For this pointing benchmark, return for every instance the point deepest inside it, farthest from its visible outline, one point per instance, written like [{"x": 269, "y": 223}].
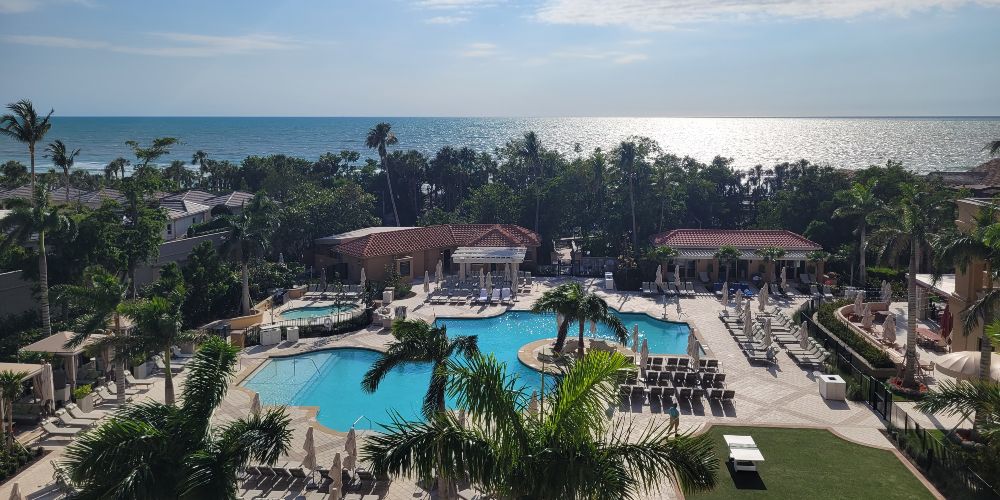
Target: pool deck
[{"x": 781, "y": 395}]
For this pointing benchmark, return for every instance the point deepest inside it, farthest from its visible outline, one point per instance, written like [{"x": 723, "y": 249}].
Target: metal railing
[{"x": 326, "y": 320}]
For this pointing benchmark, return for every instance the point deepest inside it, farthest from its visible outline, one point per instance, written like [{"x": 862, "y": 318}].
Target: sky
[{"x": 503, "y": 57}]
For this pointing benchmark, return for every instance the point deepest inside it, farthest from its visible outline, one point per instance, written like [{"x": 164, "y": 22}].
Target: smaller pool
[{"x": 315, "y": 311}]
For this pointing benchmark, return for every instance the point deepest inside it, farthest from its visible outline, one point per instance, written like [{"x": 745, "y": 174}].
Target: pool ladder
[{"x": 370, "y": 424}]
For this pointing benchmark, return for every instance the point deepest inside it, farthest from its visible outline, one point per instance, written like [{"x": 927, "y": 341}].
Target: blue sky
[{"x": 503, "y": 58}]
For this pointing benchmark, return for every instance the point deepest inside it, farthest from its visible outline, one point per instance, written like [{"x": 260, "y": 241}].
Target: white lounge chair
[
  {"x": 827, "y": 292},
  {"x": 645, "y": 288},
  {"x": 505, "y": 296},
  {"x": 53, "y": 430},
  {"x": 69, "y": 421},
  {"x": 483, "y": 297},
  {"x": 689, "y": 289},
  {"x": 495, "y": 296},
  {"x": 76, "y": 412},
  {"x": 134, "y": 381}
]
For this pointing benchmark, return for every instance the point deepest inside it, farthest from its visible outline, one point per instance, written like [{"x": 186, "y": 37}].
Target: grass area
[{"x": 814, "y": 464}]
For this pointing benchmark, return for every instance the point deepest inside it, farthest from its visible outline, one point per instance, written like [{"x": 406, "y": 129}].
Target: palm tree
[
  {"x": 530, "y": 150},
  {"x": 99, "y": 297},
  {"x": 728, "y": 254},
  {"x": 662, "y": 255},
  {"x": 770, "y": 255},
  {"x": 62, "y": 158},
  {"x": 157, "y": 328},
  {"x": 816, "y": 256},
  {"x": 249, "y": 235},
  {"x": 200, "y": 158},
  {"x": 627, "y": 155},
  {"x": 26, "y": 220},
  {"x": 417, "y": 341},
  {"x": 161, "y": 451},
  {"x": 908, "y": 224},
  {"x": 11, "y": 386},
  {"x": 573, "y": 303},
  {"x": 860, "y": 201},
  {"x": 993, "y": 147},
  {"x": 378, "y": 138},
  {"x": 571, "y": 449},
  {"x": 24, "y": 125},
  {"x": 115, "y": 168},
  {"x": 966, "y": 398}
]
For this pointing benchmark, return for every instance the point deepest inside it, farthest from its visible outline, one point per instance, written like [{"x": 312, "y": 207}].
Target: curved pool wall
[
  {"x": 315, "y": 311},
  {"x": 331, "y": 379}
]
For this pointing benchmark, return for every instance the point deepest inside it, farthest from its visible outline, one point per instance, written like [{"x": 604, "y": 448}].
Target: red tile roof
[
  {"x": 444, "y": 236},
  {"x": 744, "y": 239}
]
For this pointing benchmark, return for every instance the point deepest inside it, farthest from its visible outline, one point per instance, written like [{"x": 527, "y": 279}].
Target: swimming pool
[
  {"x": 331, "y": 379},
  {"x": 315, "y": 311}
]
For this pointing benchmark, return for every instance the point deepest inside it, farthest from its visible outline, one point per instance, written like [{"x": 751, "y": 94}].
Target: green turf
[{"x": 813, "y": 464}]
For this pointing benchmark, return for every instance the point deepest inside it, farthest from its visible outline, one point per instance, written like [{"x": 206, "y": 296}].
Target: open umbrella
[
  {"x": 867, "y": 317},
  {"x": 725, "y": 294},
  {"x": 533, "y": 403},
  {"x": 964, "y": 365},
  {"x": 255, "y": 407},
  {"x": 362, "y": 282},
  {"x": 309, "y": 446},
  {"x": 351, "y": 447},
  {"x": 635, "y": 338},
  {"x": 336, "y": 478},
  {"x": 427, "y": 281},
  {"x": 889, "y": 328}
]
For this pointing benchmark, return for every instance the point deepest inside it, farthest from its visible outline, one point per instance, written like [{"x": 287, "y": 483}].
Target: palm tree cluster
[
  {"x": 574, "y": 304},
  {"x": 23, "y": 124},
  {"x": 162, "y": 451},
  {"x": 569, "y": 449}
]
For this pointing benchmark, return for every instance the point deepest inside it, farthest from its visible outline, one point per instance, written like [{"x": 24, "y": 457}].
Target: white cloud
[
  {"x": 479, "y": 49},
  {"x": 650, "y": 15},
  {"x": 614, "y": 56},
  {"x": 178, "y": 44},
  {"x": 446, "y": 20}
]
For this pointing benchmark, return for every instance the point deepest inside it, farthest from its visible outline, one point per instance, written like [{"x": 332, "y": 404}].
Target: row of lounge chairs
[
  {"x": 266, "y": 481},
  {"x": 686, "y": 289},
  {"x": 71, "y": 420},
  {"x": 682, "y": 363},
  {"x": 332, "y": 291},
  {"x": 498, "y": 296},
  {"x": 684, "y": 385},
  {"x": 826, "y": 292}
]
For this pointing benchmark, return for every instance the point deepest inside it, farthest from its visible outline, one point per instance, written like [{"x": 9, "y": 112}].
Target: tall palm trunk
[
  {"x": 245, "y": 277},
  {"x": 43, "y": 283},
  {"x": 119, "y": 365},
  {"x": 31, "y": 154},
  {"x": 388, "y": 182},
  {"x": 985, "y": 348},
  {"x": 66, "y": 180},
  {"x": 168, "y": 378},
  {"x": 910, "y": 359},
  {"x": 862, "y": 250},
  {"x": 579, "y": 350},
  {"x": 538, "y": 193}
]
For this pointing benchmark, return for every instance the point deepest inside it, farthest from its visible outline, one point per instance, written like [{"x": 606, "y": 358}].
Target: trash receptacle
[{"x": 609, "y": 281}]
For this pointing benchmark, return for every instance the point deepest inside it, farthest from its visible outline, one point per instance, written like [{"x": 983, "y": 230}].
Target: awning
[
  {"x": 489, "y": 255},
  {"x": 945, "y": 284},
  {"x": 30, "y": 369},
  {"x": 55, "y": 344},
  {"x": 706, "y": 253}
]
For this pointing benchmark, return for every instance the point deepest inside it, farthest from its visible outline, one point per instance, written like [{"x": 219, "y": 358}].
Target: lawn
[{"x": 814, "y": 464}]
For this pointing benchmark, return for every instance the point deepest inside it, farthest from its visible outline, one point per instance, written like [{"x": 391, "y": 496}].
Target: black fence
[{"x": 942, "y": 463}]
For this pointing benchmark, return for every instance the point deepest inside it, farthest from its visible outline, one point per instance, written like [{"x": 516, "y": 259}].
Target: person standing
[{"x": 675, "y": 419}]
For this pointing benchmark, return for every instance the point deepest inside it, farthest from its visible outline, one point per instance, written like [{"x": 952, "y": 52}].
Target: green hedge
[
  {"x": 12, "y": 461},
  {"x": 828, "y": 318}
]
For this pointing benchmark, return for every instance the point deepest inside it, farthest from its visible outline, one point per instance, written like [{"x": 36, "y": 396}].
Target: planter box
[
  {"x": 865, "y": 366},
  {"x": 143, "y": 370},
  {"x": 87, "y": 403}
]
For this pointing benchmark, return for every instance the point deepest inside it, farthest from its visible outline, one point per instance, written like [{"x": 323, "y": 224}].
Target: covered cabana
[
  {"x": 43, "y": 392},
  {"x": 509, "y": 257},
  {"x": 69, "y": 358}
]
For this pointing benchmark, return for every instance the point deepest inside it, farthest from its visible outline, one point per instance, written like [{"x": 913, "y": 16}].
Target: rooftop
[
  {"x": 743, "y": 239},
  {"x": 56, "y": 344},
  {"x": 394, "y": 241}
]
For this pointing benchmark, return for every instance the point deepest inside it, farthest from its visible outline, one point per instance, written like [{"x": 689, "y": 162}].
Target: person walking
[{"x": 675, "y": 419}]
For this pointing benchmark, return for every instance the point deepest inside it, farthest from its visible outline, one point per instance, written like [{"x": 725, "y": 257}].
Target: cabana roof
[
  {"x": 55, "y": 344},
  {"x": 31, "y": 369},
  {"x": 489, "y": 255}
]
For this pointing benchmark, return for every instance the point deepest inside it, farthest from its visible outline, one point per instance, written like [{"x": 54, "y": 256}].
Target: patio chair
[
  {"x": 689, "y": 289},
  {"x": 52, "y": 430},
  {"x": 483, "y": 297},
  {"x": 645, "y": 288},
  {"x": 827, "y": 292},
  {"x": 69, "y": 421},
  {"x": 76, "y": 412},
  {"x": 703, "y": 276},
  {"x": 174, "y": 368},
  {"x": 728, "y": 395},
  {"x": 495, "y": 296},
  {"x": 684, "y": 393},
  {"x": 668, "y": 290},
  {"x": 113, "y": 389},
  {"x": 134, "y": 381},
  {"x": 505, "y": 296}
]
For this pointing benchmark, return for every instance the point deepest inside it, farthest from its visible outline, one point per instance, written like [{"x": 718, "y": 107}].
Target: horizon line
[{"x": 994, "y": 117}]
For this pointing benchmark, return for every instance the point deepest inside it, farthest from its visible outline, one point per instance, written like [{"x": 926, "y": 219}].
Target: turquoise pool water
[
  {"x": 315, "y": 311},
  {"x": 331, "y": 379}
]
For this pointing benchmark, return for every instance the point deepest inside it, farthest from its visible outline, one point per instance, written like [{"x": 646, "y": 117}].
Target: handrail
[{"x": 370, "y": 423}]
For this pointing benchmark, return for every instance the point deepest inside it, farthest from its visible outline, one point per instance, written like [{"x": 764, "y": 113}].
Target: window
[
  {"x": 170, "y": 228},
  {"x": 404, "y": 268}
]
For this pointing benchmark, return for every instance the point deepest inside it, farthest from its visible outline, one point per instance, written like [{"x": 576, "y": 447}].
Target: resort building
[
  {"x": 967, "y": 284},
  {"x": 188, "y": 208},
  {"x": 696, "y": 249},
  {"x": 412, "y": 251},
  {"x": 57, "y": 195}
]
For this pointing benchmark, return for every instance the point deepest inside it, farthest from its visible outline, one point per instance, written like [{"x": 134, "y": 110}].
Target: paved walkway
[{"x": 779, "y": 395}]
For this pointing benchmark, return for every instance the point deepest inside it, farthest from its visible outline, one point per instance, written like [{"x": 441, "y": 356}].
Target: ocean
[{"x": 922, "y": 144}]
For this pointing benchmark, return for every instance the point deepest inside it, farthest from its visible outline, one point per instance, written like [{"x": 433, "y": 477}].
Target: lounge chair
[
  {"x": 113, "y": 389},
  {"x": 703, "y": 276},
  {"x": 644, "y": 288},
  {"x": 668, "y": 290},
  {"x": 827, "y": 292},
  {"x": 495, "y": 296},
  {"x": 76, "y": 412},
  {"x": 814, "y": 291},
  {"x": 174, "y": 367},
  {"x": 69, "y": 421},
  {"x": 689, "y": 289},
  {"x": 505, "y": 296},
  {"x": 134, "y": 381},
  {"x": 52, "y": 430},
  {"x": 483, "y": 297}
]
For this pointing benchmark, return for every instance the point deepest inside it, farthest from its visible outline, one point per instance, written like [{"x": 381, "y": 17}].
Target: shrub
[
  {"x": 81, "y": 391},
  {"x": 827, "y": 317},
  {"x": 17, "y": 457}
]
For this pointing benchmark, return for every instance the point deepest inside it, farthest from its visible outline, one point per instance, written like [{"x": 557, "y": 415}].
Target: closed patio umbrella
[
  {"x": 489, "y": 282},
  {"x": 281, "y": 258},
  {"x": 677, "y": 276},
  {"x": 889, "y": 328},
  {"x": 768, "y": 335},
  {"x": 858, "y": 308},
  {"x": 964, "y": 365},
  {"x": 695, "y": 353},
  {"x": 70, "y": 364},
  {"x": 351, "y": 447},
  {"x": 739, "y": 300},
  {"x": 336, "y": 478},
  {"x": 461, "y": 272},
  {"x": 593, "y": 329},
  {"x": 643, "y": 357},
  {"x": 439, "y": 272},
  {"x": 635, "y": 338},
  {"x": 659, "y": 276},
  {"x": 867, "y": 317},
  {"x": 482, "y": 279},
  {"x": 506, "y": 273},
  {"x": 363, "y": 277},
  {"x": 322, "y": 277},
  {"x": 784, "y": 278},
  {"x": 15, "y": 492},
  {"x": 461, "y": 417},
  {"x": 533, "y": 403},
  {"x": 48, "y": 388},
  {"x": 886, "y": 291},
  {"x": 309, "y": 446},
  {"x": 803, "y": 334},
  {"x": 427, "y": 281},
  {"x": 762, "y": 298},
  {"x": 255, "y": 407},
  {"x": 725, "y": 294}
]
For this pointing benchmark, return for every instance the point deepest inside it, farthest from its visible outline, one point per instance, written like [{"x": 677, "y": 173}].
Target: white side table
[{"x": 832, "y": 387}]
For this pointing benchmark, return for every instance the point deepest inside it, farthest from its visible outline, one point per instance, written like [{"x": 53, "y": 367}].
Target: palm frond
[
  {"x": 209, "y": 373},
  {"x": 964, "y": 398},
  {"x": 584, "y": 392}
]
